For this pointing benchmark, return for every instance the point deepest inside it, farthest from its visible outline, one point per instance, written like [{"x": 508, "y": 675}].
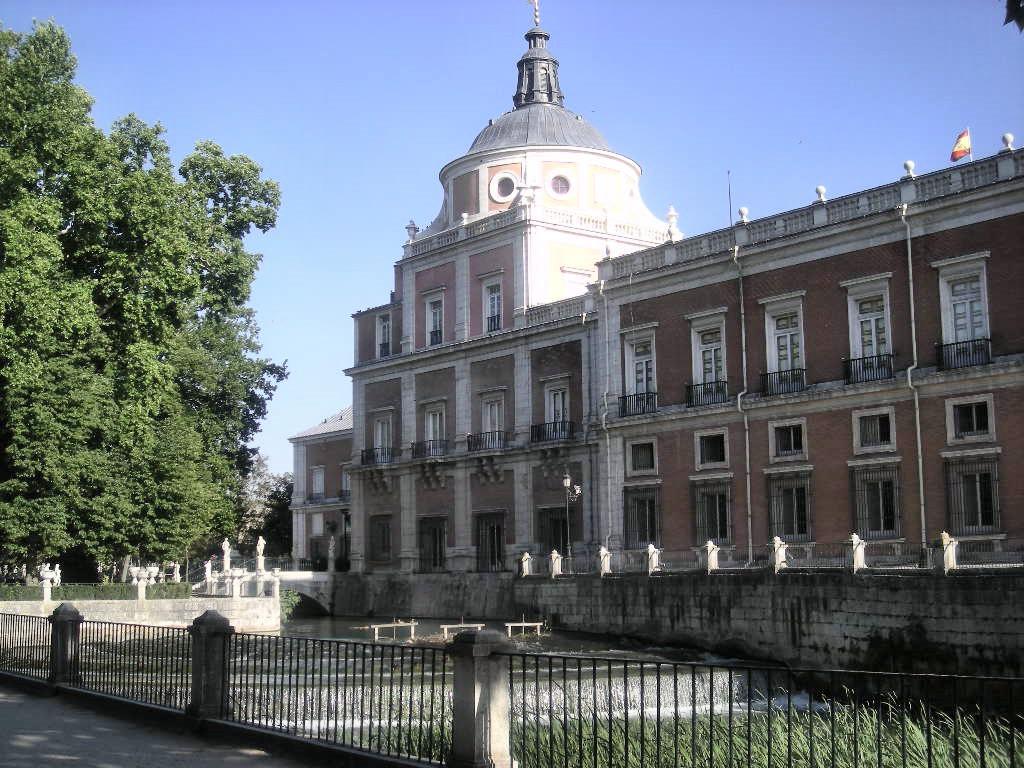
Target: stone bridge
[{"x": 315, "y": 586}]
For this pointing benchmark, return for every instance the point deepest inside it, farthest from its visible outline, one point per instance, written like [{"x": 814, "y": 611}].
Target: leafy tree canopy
[{"x": 131, "y": 380}]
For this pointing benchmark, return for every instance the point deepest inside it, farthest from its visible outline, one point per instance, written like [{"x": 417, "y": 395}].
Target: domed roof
[{"x": 538, "y": 124}]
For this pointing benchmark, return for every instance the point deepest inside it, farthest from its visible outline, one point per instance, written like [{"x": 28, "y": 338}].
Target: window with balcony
[
  {"x": 434, "y": 442},
  {"x": 874, "y": 430},
  {"x": 345, "y": 484},
  {"x": 707, "y": 339},
  {"x": 712, "y": 511},
  {"x": 972, "y": 495},
  {"x": 641, "y": 395},
  {"x": 785, "y": 346},
  {"x": 642, "y": 517},
  {"x": 963, "y": 301},
  {"x": 557, "y": 425},
  {"x": 492, "y": 422},
  {"x": 970, "y": 419},
  {"x": 492, "y": 306},
  {"x": 790, "y": 499},
  {"x": 380, "y": 538},
  {"x": 643, "y": 459},
  {"x": 557, "y": 405},
  {"x": 384, "y": 335},
  {"x": 381, "y": 451},
  {"x": 435, "y": 321},
  {"x": 876, "y": 494},
  {"x": 316, "y": 486},
  {"x": 870, "y": 347},
  {"x": 712, "y": 449},
  {"x": 787, "y": 440}
]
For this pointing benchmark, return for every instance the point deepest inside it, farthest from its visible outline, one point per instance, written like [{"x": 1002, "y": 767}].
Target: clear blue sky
[{"x": 355, "y": 106}]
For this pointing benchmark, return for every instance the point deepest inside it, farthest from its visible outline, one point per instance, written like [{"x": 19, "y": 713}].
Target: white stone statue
[
  {"x": 778, "y": 554},
  {"x": 556, "y": 563},
  {"x": 261, "y": 543},
  {"x": 208, "y": 570},
  {"x": 524, "y": 562},
  {"x": 712, "y": 553},
  {"x": 135, "y": 572},
  {"x": 857, "y": 545},
  {"x": 175, "y": 573},
  {"x": 56, "y": 575},
  {"x": 331, "y": 546},
  {"x": 226, "y": 549},
  {"x": 653, "y": 559},
  {"x": 604, "y": 557}
]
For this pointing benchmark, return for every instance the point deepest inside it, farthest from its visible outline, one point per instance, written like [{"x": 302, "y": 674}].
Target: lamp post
[{"x": 572, "y": 493}]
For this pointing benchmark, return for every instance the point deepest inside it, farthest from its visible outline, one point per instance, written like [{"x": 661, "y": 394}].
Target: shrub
[{"x": 112, "y": 591}]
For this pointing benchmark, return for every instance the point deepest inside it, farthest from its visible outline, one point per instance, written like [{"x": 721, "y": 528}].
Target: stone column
[
  {"x": 66, "y": 624},
  {"x": 408, "y": 553},
  {"x": 210, "y": 633},
  {"x": 481, "y": 712},
  {"x": 461, "y": 554}
]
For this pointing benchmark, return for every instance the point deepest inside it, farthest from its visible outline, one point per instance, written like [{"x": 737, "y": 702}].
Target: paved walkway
[{"x": 55, "y": 731}]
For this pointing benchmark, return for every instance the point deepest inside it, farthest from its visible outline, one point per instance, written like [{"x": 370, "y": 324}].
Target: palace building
[{"x": 853, "y": 366}]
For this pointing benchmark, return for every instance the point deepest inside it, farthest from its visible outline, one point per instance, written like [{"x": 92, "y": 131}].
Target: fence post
[
  {"x": 481, "y": 716},
  {"x": 210, "y": 633},
  {"x": 66, "y": 624}
]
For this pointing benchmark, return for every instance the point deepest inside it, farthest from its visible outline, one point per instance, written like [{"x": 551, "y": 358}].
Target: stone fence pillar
[
  {"x": 66, "y": 626},
  {"x": 712, "y": 555},
  {"x": 777, "y": 552},
  {"x": 949, "y": 546},
  {"x": 210, "y": 633},
  {"x": 480, "y": 709},
  {"x": 857, "y": 547}
]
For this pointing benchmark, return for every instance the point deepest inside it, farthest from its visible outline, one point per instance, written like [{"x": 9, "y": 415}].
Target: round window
[
  {"x": 506, "y": 187},
  {"x": 560, "y": 185},
  {"x": 503, "y": 187}
]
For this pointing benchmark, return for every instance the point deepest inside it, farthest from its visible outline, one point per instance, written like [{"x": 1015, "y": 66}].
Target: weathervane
[{"x": 536, "y": 11}]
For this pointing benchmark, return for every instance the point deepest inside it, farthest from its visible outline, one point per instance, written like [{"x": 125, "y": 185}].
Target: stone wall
[
  {"x": 250, "y": 614},
  {"x": 967, "y": 623}
]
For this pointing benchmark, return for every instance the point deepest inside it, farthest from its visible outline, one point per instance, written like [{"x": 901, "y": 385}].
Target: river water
[{"x": 429, "y": 631}]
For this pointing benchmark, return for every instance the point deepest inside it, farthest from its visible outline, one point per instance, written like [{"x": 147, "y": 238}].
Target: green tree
[{"x": 130, "y": 376}]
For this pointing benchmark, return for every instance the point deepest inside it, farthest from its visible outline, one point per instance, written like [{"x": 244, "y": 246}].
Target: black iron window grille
[
  {"x": 641, "y": 457},
  {"x": 380, "y": 538},
  {"x": 970, "y": 419},
  {"x": 790, "y": 497},
  {"x": 712, "y": 504},
  {"x": 384, "y": 349},
  {"x": 554, "y": 532},
  {"x": 493, "y": 323},
  {"x": 873, "y": 368},
  {"x": 875, "y": 430},
  {"x": 490, "y": 541},
  {"x": 712, "y": 448},
  {"x": 963, "y": 354},
  {"x": 642, "y": 524},
  {"x": 433, "y": 539},
  {"x": 972, "y": 495},
  {"x": 789, "y": 440},
  {"x": 876, "y": 502},
  {"x": 435, "y": 336}
]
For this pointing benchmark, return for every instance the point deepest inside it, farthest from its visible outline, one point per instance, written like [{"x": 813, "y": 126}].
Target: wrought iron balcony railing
[
  {"x": 384, "y": 349},
  {"x": 435, "y": 336},
  {"x": 963, "y": 354},
  {"x": 861, "y": 369},
  {"x": 429, "y": 449},
  {"x": 552, "y": 430},
  {"x": 493, "y": 323},
  {"x": 783, "y": 382},
  {"x": 708, "y": 393},
  {"x": 636, "y": 404},
  {"x": 375, "y": 456},
  {"x": 489, "y": 441}
]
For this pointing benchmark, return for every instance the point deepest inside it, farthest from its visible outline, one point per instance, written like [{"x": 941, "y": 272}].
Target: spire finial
[{"x": 536, "y": 12}]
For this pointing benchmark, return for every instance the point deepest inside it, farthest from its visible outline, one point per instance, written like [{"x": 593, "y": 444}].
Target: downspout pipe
[
  {"x": 604, "y": 414},
  {"x": 910, "y": 377},
  {"x": 739, "y": 402}
]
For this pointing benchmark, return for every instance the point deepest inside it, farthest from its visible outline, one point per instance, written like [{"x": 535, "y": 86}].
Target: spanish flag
[{"x": 962, "y": 146}]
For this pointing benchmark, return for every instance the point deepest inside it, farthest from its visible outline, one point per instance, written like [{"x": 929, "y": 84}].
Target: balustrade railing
[
  {"x": 963, "y": 354},
  {"x": 429, "y": 449},
  {"x": 708, "y": 393},
  {"x": 861, "y": 369},
  {"x": 489, "y": 441},
  {"x": 783, "y": 382},
  {"x": 493, "y": 323},
  {"x": 639, "y": 403},
  {"x": 435, "y": 336},
  {"x": 384, "y": 349},
  {"x": 553, "y": 430}
]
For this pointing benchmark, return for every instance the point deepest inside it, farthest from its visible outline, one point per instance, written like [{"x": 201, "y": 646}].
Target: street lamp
[{"x": 572, "y": 493}]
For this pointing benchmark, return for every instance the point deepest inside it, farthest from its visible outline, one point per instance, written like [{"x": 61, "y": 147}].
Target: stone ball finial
[
  {"x": 820, "y": 192},
  {"x": 743, "y": 212},
  {"x": 909, "y": 166},
  {"x": 1008, "y": 142}
]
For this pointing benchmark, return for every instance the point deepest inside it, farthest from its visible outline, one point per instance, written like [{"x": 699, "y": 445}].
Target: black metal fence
[
  {"x": 602, "y": 713},
  {"x": 389, "y": 699},
  {"x": 874, "y": 368},
  {"x": 553, "y": 430},
  {"x": 374, "y": 456},
  {"x": 136, "y": 662},
  {"x": 489, "y": 441},
  {"x": 25, "y": 645},
  {"x": 963, "y": 354},
  {"x": 639, "y": 403},
  {"x": 428, "y": 449},
  {"x": 783, "y": 382},
  {"x": 708, "y": 393}
]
